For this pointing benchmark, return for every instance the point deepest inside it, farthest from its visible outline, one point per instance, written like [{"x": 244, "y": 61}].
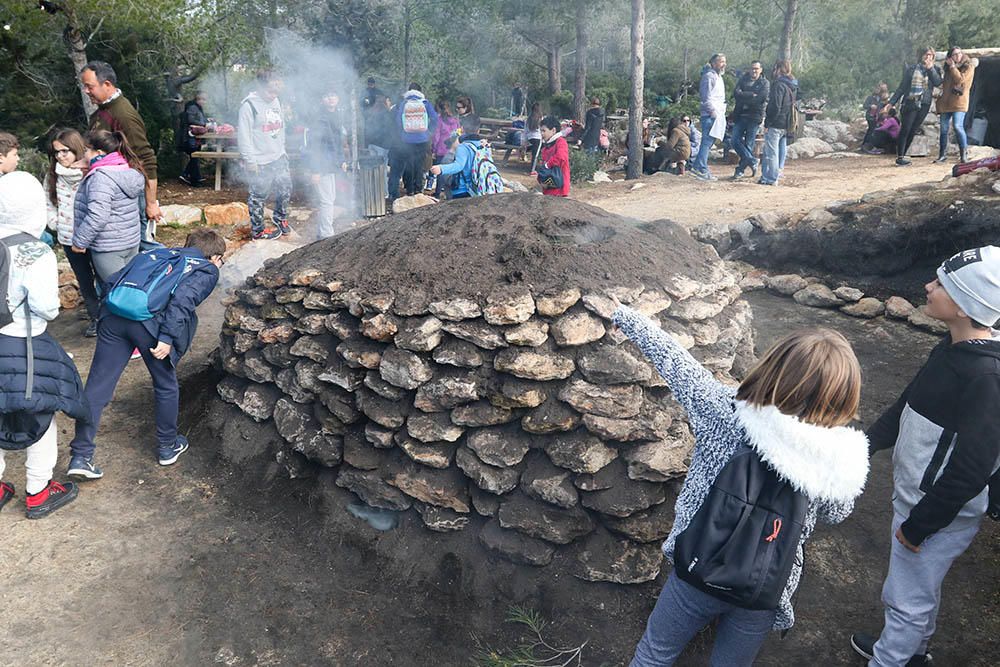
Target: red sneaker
[
  {"x": 6, "y": 493},
  {"x": 49, "y": 499}
]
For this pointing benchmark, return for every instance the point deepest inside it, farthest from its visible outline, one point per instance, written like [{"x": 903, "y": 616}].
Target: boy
[
  {"x": 8, "y": 153},
  {"x": 947, "y": 444},
  {"x": 161, "y": 341}
]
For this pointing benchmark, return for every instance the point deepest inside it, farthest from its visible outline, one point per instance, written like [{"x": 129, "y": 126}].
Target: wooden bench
[{"x": 218, "y": 156}]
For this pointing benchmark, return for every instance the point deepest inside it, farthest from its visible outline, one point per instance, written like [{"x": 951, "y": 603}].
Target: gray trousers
[
  {"x": 912, "y": 593},
  {"x": 326, "y": 197},
  {"x": 108, "y": 263}
]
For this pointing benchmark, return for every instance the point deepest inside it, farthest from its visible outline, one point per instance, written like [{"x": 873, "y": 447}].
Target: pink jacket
[{"x": 442, "y": 131}]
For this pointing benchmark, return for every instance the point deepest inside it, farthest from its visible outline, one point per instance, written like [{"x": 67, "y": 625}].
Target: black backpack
[{"x": 741, "y": 543}]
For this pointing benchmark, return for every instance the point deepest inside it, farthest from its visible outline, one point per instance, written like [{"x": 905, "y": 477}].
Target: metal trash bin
[{"x": 373, "y": 176}]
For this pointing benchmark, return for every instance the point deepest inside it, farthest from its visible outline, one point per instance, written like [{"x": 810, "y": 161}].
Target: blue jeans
[
  {"x": 744, "y": 136},
  {"x": 701, "y": 161},
  {"x": 682, "y": 610},
  {"x": 775, "y": 143},
  {"x": 956, "y": 118}
]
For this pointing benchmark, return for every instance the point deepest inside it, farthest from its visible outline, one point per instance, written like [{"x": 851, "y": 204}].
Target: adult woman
[
  {"x": 593, "y": 124},
  {"x": 914, "y": 94},
  {"x": 67, "y": 165},
  {"x": 446, "y": 125},
  {"x": 555, "y": 156},
  {"x": 467, "y": 117},
  {"x": 676, "y": 148},
  {"x": 777, "y": 121},
  {"x": 953, "y": 104},
  {"x": 534, "y": 134}
]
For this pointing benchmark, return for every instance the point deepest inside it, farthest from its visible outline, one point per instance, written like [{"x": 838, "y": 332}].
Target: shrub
[
  {"x": 561, "y": 104},
  {"x": 582, "y": 165},
  {"x": 33, "y": 161}
]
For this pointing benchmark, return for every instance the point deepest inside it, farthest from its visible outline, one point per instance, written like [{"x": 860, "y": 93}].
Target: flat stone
[
  {"x": 180, "y": 214},
  {"x": 898, "y": 308},
  {"x": 409, "y": 302},
  {"x": 279, "y": 355},
  {"x": 512, "y": 305},
  {"x": 379, "y": 437},
  {"x": 867, "y": 308},
  {"x": 434, "y": 454},
  {"x": 230, "y": 389},
  {"x": 695, "y": 309},
  {"x": 442, "y": 488},
  {"x": 293, "y": 421},
  {"x": 626, "y": 293},
  {"x": 342, "y": 324},
  {"x": 322, "y": 448},
  {"x": 652, "y": 525},
  {"x": 374, "y": 381},
  {"x": 304, "y": 276},
  {"x": 337, "y": 371},
  {"x": 377, "y": 303},
  {"x": 419, "y": 334},
  {"x": 920, "y": 319},
  {"x": 579, "y": 451},
  {"x": 515, "y": 393},
  {"x": 326, "y": 285},
  {"x": 543, "y": 481},
  {"x": 501, "y": 447},
  {"x": 328, "y": 422},
  {"x": 658, "y": 461},
  {"x": 625, "y": 496},
  {"x": 550, "y": 417},
  {"x": 484, "y": 502},
  {"x": 256, "y": 368},
  {"x": 243, "y": 341},
  {"x": 786, "y": 284},
  {"x": 599, "y": 304},
  {"x": 404, "y": 369},
  {"x": 577, "y": 329},
  {"x": 602, "y": 557},
  {"x": 455, "y": 309},
  {"x": 312, "y": 324},
  {"x": 652, "y": 423},
  {"x": 441, "y": 519},
  {"x": 280, "y": 332},
  {"x": 617, "y": 401},
  {"x": 360, "y": 453},
  {"x": 530, "y": 334},
  {"x": 557, "y": 303},
  {"x": 316, "y": 348},
  {"x": 817, "y": 295},
  {"x": 476, "y": 332},
  {"x": 612, "y": 365},
  {"x": 290, "y": 294},
  {"x": 382, "y": 411},
  {"x": 372, "y": 489},
  {"x": 258, "y": 401},
  {"x": 340, "y": 403},
  {"x": 446, "y": 392},
  {"x": 433, "y": 427},
  {"x": 514, "y": 546},
  {"x": 255, "y": 296},
  {"x": 651, "y": 302},
  {"x": 534, "y": 365},
  {"x": 543, "y": 520},
  {"x": 454, "y": 352},
  {"x": 481, "y": 413},
  {"x": 307, "y": 373},
  {"x": 360, "y": 353},
  {"x": 379, "y": 326},
  {"x": 288, "y": 382},
  {"x": 316, "y": 300},
  {"x": 849, "y": 294},
  {"x": 602, "y": 479},
  {"x": 488, "y": 478},
  {"x": 273, "y": 311},
  {"x": 705, "y": 332}
]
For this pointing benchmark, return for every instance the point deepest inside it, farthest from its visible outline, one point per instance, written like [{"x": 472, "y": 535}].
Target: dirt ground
[{"x": 201, "y": 564}]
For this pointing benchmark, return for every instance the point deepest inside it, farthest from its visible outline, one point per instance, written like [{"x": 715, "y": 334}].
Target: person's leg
[
  {"x": 872, "y": 124},
  {"x": 701, "y": 161},
  {"x": 282, "y": 186},
  {"x": 166, "y": 394},
  {"x": 912, "y": 593},
  {"x": 740, "y": 129},
  {"x": 963, "y": 140},
  {"x": 326, "y": 194},
  {"x": 111, "y": 356},
  {"x": 739, "y": 636},
  {"x": 106, "y": 264},
  {"x": 397, "y": 165},
  {"x": 782, "y": 152},
  {"x": 945, "y": 118},
  {"x": 40, "y": 460},
  {"x": 83, "y": 269},
  {"x": 680, "y": 612},
  {"x": 533, "y": 146},
  {"x": 769, "y": 163},
  {"x": 258, "y": 187},
  {"x": 907, "y": 114}
]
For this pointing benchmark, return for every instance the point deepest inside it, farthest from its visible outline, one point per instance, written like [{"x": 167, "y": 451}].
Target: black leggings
[
  {"x": 911, "y": 117},
  {"x": 533, "y": 145}
]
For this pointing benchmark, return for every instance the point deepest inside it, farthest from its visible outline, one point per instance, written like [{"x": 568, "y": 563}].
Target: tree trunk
[
  {"x": 634, "y": 169},
  {"x": 406, "y": 45},
  {"x": 785, "y": 48},
  {"x": 77, "y": 50},
  {"x": 554, "y": 57},
  {"x": 580, "y": 78}
]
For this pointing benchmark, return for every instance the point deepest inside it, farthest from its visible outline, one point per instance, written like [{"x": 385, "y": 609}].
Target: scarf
[{"x": 918, "y": 84}]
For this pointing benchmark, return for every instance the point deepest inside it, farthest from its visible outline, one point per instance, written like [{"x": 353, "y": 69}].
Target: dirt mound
[{"x": 468, "y": 247}]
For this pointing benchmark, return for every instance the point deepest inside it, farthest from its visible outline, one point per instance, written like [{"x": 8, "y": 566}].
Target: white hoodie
[{"x": 33, "y": 273}]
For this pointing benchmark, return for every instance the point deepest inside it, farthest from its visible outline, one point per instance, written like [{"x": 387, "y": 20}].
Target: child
[
  {"x": 885, "y": 135},
  {"x": 8, "y": 153},
  {"x": 790, "y": 410},
  {"x": 37, "y": 379},
  {"x": 555, "y": 155},
  {"x": 947, "y": 445},
  {"x": 162, "y": 341},
  {"x": 106, "y": 209}
]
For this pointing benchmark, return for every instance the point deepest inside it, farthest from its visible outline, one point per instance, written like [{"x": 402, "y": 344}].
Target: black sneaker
[
  {"x": 6, "y": 493},
  {"x": 91, "y": 331},
  {"x": 184, "y": 179},
  {"x": 49, "y": 499},
  {"x": 903, "y": 162},
  {"x": 285, "y": 228},
  {"x": 266, "y": 234},
  {"x": 864, "y": 645}
]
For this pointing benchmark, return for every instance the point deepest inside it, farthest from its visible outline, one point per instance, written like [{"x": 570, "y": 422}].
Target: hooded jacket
[
  {"x": 432, "y": 119},
  {"x": 780, "y": 102},
  {"x": 555, "y": 155},
  {"x": 443, "y": 130},
  {"x": 260, "y": 133},
  {"x": 946, "y": 437},
  {"x": 712, "y": 90},
  {"x": 676, "y": 148},
  {"x": 827, "y": 465},
  {"x": 461, "y": 168},
  {"x": 106, "y": 210},
  {"x": 751, "y": 98},
  {"x": 60, "y": 213},
  {"x": 956, "y": 86},
  {"x": 324, "y": 144}
]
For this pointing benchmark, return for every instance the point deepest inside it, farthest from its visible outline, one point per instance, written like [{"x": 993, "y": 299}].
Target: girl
[
  {"x": 67, "y": 165},
  {"x": 106, "y": 212},
  {"x": 555, "y": 155},
  {"x": 778, "y": 122},
  {"x": 534, "y": 135},
  {"x": 447, "y": 124},
  {"x": 467, "y": 116},
  {"x": 959, "y": 70},
  {"x": 790, "y": 410},
  {"x": 885, "y": 135}
]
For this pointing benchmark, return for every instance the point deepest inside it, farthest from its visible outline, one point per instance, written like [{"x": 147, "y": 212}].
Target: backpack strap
[{"x": 10, "y": 242}]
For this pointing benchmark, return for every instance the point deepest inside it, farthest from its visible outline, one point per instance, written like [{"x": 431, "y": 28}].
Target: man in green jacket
[{"x": 116, "y": 113}]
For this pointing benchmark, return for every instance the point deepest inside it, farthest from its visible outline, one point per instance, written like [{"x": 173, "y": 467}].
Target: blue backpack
[{"x": 144, "y": 287}]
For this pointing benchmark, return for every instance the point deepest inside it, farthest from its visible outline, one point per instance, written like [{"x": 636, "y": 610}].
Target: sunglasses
[{"x": 687, "y": 120}]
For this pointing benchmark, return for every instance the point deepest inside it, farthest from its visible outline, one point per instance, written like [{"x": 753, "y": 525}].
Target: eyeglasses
[{"x": 687, "y": 120}]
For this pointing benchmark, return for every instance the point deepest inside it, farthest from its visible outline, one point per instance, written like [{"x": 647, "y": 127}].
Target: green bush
[
  {"x": 561, "y": 104},
  {"x": 33, "y": 161},
  {"x": 582, "y": 165}
]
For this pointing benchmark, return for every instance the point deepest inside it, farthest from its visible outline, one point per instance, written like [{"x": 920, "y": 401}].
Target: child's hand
[
  {"x": 905, "y": 542},
  {"x": 161, "y": 351}
]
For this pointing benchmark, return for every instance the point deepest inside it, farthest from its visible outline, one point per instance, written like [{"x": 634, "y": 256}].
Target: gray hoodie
[{"x": 261, "y": 130}]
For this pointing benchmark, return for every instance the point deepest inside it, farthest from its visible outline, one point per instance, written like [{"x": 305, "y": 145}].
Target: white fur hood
[{"x": 823, "y": 463}]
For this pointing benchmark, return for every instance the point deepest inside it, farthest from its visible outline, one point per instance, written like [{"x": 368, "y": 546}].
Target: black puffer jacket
[
  {"x": 56, "y": 386},
  {"x": 751, "y": 98},
  {"x": 779, "y": 105}
]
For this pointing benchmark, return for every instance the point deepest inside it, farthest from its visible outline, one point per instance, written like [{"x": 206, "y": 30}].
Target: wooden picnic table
[{"x": 217, "y": 145}]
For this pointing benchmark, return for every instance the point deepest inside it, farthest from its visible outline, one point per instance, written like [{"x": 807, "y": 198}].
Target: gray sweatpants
[
  {"x": 108, "y": 263},
  {"x": 912, "y": 593},
  {"x": 326, "y": 198}
]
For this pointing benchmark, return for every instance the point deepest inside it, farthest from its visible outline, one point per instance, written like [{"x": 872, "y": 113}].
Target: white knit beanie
[
  {"x": 972, "y": 280},
  {"x": 22, "y": 204}
]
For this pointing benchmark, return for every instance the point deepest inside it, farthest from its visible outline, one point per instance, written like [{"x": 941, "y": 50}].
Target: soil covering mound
[{"x": 457, "y": 361}]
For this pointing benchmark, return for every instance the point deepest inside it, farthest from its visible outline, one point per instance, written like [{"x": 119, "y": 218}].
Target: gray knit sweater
[{"x": 828, "y": 465}]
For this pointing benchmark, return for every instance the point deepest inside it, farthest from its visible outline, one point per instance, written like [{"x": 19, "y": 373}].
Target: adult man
[
  {"x": 116, "y": 114},
  {"x": 713, "y": 113},
  {"x": 372, "y": 93},
  {"x": 415, "y": 121},
  {"x": 193, "y": 124},
  {"x": 261, "y": 140},
  {"x": 751, "y": 95}
]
